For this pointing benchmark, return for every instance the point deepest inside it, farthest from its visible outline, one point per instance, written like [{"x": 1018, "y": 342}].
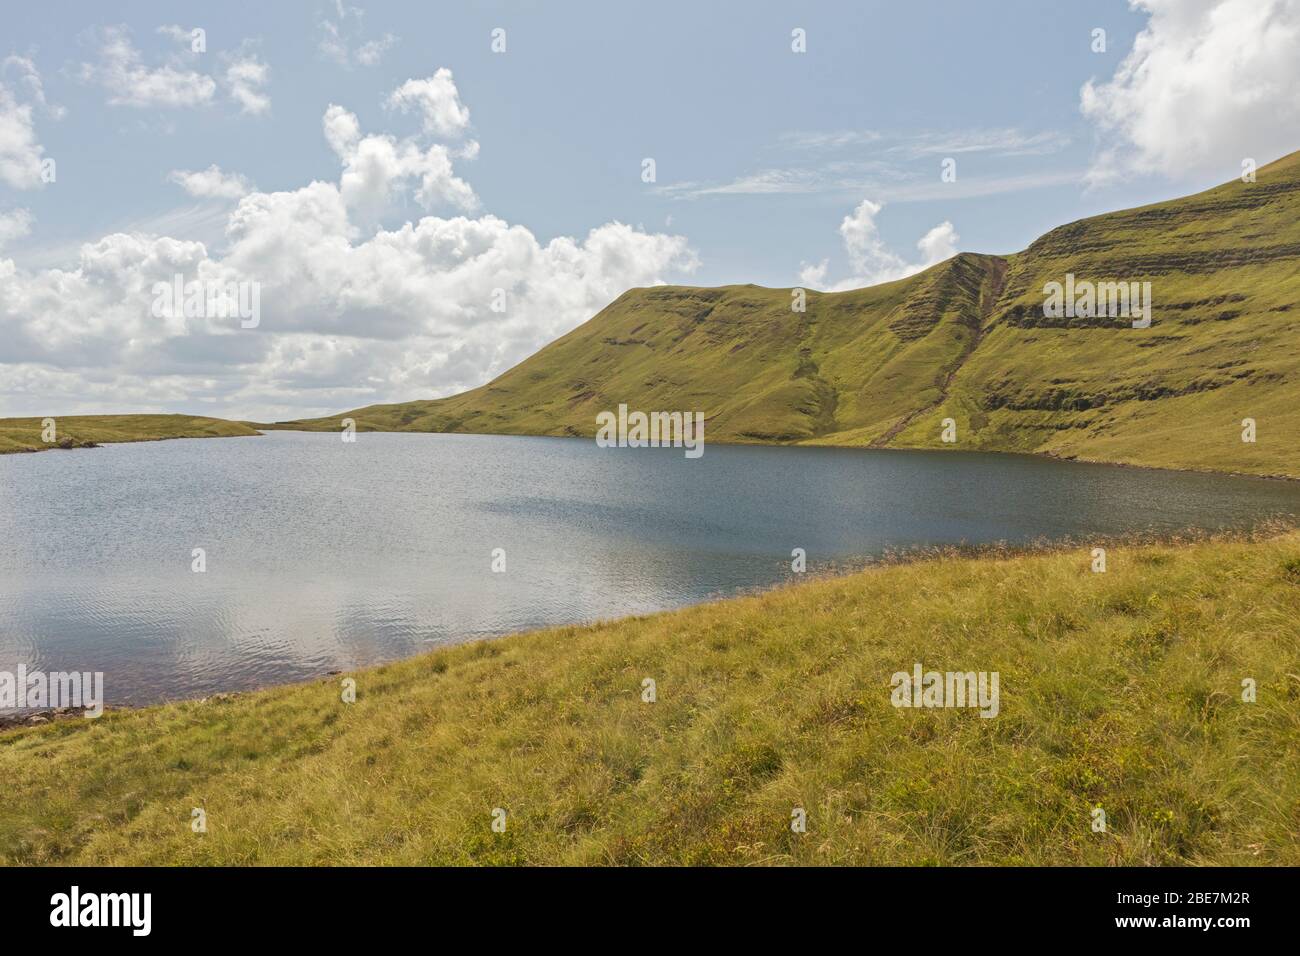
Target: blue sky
[{"x": 771, "y": 167}]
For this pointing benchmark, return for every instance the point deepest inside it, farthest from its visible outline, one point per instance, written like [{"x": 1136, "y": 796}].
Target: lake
[{"x": 324, "y": 555}]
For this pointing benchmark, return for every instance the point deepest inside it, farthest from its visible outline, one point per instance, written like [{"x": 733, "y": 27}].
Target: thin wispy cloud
[
  {"x": 995, "y": 142},
  {"x": 342, "y": 39},
  {"x": 884, "y": 164},
  {"x": 971, "y": 187},
  {"x": 999, "y": 142}
]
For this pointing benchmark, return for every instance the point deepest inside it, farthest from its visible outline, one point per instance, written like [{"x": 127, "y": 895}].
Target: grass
[
  {"x": 965, "y": 340},
  {"x": 82, "y": 431},
  {"x": 1120, "y": 690}
]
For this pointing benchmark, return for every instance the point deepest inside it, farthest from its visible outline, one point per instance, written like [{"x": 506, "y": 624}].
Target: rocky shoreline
[{"x": 35, "y": 718}]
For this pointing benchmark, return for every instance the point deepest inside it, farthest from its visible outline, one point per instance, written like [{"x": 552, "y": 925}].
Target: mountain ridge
[{"x": 965, "y": 340}]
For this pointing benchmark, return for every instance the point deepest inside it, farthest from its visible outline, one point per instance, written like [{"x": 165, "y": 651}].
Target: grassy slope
[
  {"x": 873, "y": 366},
  {"x": 852, "y": 364},
  {"x": 1224, "y": 344},
  {"x": 24, "y": 434},
  {"x": 1119, "y": 689}
]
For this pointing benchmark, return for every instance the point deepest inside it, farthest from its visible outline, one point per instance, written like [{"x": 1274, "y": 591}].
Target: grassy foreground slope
[
  {"x": 966, "y": 339},
  {"x": 1121, "y": 690},
  {"x": 79, "y": 431}
]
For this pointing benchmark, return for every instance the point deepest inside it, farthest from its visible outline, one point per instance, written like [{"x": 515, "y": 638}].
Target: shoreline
[
  {"x": 764, "y": 702},
  {"x": 259, "y": 429},
  {"x": 842, "y": 571}
]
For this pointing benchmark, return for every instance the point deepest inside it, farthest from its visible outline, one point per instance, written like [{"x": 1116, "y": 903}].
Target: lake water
[{"x": 323, "y": 555}]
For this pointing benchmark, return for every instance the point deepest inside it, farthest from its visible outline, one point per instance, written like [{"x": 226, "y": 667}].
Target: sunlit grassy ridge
[
  {"x": 966, "y": 339},
  {"x": 78, "y": 431},
  {"x": 846, "y": 369},
  {"x": 1224, "y": 344},
  {"x": 1120, "y": 690}
]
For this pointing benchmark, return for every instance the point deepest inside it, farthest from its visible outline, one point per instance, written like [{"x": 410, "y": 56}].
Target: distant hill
[
  {"x": 967, "y": 340},
  {"x": 86, "y": 431}
]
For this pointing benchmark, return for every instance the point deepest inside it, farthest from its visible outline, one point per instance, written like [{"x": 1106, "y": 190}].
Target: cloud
[
  {"x": 372, "y": 51},
  {"x": 352, "y": 312},
  {"x": 14, "y": 224},
  {"x": 871, "y": 260},
  {"x": 829, "y": 139},
  {"x": 997, "y": 142},
  {"x": 437, "y": 100},
  {"x": 29, "y": 79},
  {"x": 21, "y": 154},
  {"x": 210, "y": 183},
  {"x": 129, "y": 82},
  {"x": 339, "y": 36},
  {"x": 1000, "y": 141},
  {"x": 177, "y": 83},
  {"x": 763, "y": 183},
  {"x": 377, "y": 167},
  {"x": 892, "y": 164},
  {"x": 183, "y": 36},
  {"x": 245, "y": 77},
  {"x": 814, "y": 276},
  {"x": 938, "y": 244},
  {"x": 1207, "y": 84}
]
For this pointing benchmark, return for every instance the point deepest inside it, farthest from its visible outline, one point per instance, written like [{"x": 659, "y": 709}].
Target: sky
[{"x": 424, "y": 194}]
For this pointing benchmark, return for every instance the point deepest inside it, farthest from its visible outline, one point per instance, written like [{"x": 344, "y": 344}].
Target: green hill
[
  {"x": 85, "y": 431},
  {"x": 966, "y": 339}
]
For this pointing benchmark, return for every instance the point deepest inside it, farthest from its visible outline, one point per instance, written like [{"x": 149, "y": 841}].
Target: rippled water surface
[{"x": 323, "y": 555}]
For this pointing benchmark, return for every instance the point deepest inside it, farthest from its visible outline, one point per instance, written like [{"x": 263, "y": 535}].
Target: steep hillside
[
  {"x": 967, "y": 339},
  {"x": 1224, "y": 341},
  {"x": 850, "y": 366}
]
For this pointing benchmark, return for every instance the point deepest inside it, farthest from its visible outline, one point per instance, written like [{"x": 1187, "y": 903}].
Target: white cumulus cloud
[
  {"x": 246, "y": 77},
  {"x": 870, "y": 258},
  {"x": 437, "y": 100},
  {"x": 1207, "y": 84},
  {"x": 353, "y": 310},
  {"x": 210, "y": 183},
  {"x": 21, "y": 153},
  {"x": 377, "y": 167},
  {"x": 14, "y": 224}
]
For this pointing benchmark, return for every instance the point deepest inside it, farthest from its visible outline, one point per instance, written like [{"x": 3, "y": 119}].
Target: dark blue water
[{"x": 323, "y": 555}]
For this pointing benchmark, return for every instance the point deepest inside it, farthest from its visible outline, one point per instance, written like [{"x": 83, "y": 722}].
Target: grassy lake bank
[{"x": 1120, "y": 690}]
